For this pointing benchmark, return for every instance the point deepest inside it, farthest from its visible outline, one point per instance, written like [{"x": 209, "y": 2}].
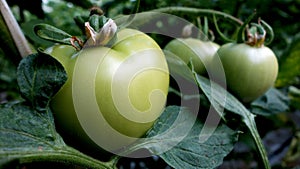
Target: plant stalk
[
  {"x": 15, "y": 30},
  {"x": 197, "y": 11},
  {"x": 250, "y": 123},
  {"x": 68, "y": 157}
]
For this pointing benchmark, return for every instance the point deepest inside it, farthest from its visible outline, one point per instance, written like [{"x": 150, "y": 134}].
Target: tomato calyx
[
  {"x": 73, "y": 41},
  {"x": 256, "y": 35},
  {"x": 97, "y": 30},
  {"x": 105, "y": 35}
]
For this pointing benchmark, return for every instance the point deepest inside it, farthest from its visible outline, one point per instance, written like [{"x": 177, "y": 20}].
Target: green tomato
[
  {"x": 200, "y": 52},
  {"x": 249, "y": 71},
  {"x": 113, "y": 95},
  {"x": 63, "y": 53}
]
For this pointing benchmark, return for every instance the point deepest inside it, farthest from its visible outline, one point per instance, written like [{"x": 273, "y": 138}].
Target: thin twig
[
  {"x": 198, "y": 11},
  {"x": 15, "y": 30}
]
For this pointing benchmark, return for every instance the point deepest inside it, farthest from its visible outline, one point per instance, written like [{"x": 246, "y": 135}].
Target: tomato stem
[
  {"x": 15, "y": 30},
  {"x": 131, "y": 16},
  {"x": 197, "y": 11},
  {"x": 269, "y": 30},
  {"x": 219, "y": 31},
  {"x": 205, "y": 12},
  {"x": 256, "y": 35},
  {"x": 67, "y": 156},
  {"x": 240, "y": 36},
  {"x": 205, "y": 27},
  {"x": 250, "y": 123}
]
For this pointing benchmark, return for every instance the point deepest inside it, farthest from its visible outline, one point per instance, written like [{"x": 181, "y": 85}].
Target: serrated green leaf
[
  {"x": 235, "y": 106},
  {"x": 272, "y": 102},
  {"x": 177, "y": 138},
  {"x": 191, "y": 152},
  {"x": 220, "y": 99},
  {"x": 39, "y": 78},
  {"x": 24, "y": 132},
  {"x": 28, "y": 136},
  {"x": 22, "y": 128},
  {"x": 289, "y": 67},
  {"x": 27, "y": 129}
]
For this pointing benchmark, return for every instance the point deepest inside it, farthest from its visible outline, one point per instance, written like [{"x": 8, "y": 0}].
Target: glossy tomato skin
[
  {"x": 63, "y": 53},
  {"x": 118, "y": 92},
  {"x": 201, "y": 52},
  {"x": 250, "y": 71}
]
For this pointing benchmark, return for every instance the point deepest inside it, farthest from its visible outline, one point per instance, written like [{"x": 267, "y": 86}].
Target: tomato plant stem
[
  {"x": 250, "y": 123},
  {"x": 219, "y": 31},
  {"x": 14, "y": 29},
  {"x": 68, "y": 157},
  {"x": 197, "y": 11},
  {"x": 132, "y": 16},
  {"x": 240, "y": 36}
]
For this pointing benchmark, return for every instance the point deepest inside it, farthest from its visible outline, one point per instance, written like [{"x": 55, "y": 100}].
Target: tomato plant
[
  {"x": 201, "y": 52},
  {"x": 140, "y": 97},
  {"x": 117, "y": 87}
]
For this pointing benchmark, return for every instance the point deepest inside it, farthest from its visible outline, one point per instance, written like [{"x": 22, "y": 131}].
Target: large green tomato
[
  {"x": 112, "y": 95},
  {"x": 200, "y": 52},
  {"x": 250, "y": 71}
]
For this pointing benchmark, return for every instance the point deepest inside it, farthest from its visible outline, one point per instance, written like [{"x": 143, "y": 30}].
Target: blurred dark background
[{"x": 280, "y": 132}]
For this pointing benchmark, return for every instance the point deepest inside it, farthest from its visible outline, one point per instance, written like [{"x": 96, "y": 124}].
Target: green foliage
[
  {"x": 272, "y": 102},
  {"x": 219, "y": 144},
  {"x": 29, "y": 136},
  {"x": 280, "y": 14},
  {"x": 234, "y": 106},
  {"x": 28, "y": 133},
  {"x": 61, "y": 15},
  {"x": 289, "y": 69},
  {"x": 40, "y": 77},
  {"x": 27, "y": 129},
  {"x": 7, "y": 72},
  {"x": 8, "y": 82}
]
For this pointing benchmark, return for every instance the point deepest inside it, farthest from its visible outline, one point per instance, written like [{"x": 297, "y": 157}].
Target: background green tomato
[
  {"x": 113, "y": 95},
  {"x": 250, "y": 71},
  {"x": 63, "y": 53},
  {"x": 200, "y": 52}
]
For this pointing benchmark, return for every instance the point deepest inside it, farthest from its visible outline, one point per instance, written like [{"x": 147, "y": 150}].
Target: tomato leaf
[
  {"x": 272, "y": 102},
  {"x": 27, "y": 128},
  {"x": 177, "y": 138},
  {"x": 39, "y": 77},
  {"x": 24, "y": 130},
  {"x": 28, "y": 136},
  {"x": 191, "y": 152},
  {"x": 51, "y": 33},
  {"x": 233, "y": 105},
  {"x": 220, "y": 99}
]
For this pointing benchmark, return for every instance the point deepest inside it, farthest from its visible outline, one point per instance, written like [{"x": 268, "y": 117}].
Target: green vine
[
  {"x": 68, "y": 156},
  {"x": 197, "y": 12},
  {"x": 14, "y": 30},
  {"x": 240, "y": 36},
  {"x": 219, "y": 31}
]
